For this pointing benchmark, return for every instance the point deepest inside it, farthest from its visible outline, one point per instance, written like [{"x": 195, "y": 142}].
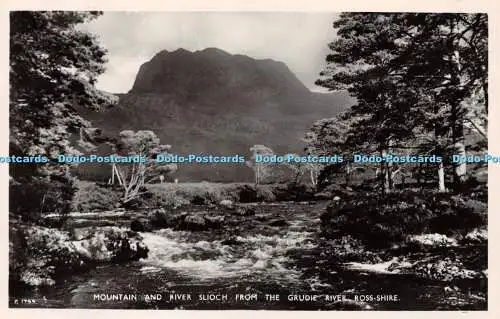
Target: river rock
[
  {"x": 140, "y": 225},
  {"x": 193, "y": 222},
  {"x": 261, "y": 217},
  {"x": 159, "y": 218},
  {"x": 214, "y": 221},
  {"x": 431, "y": 240},
  {"x": 226, "y": 203},
  {"x": 111, "y": 244},
  {"x": 476, "y": 236},
  {"x": 232, "y": 241},
  {"x": 245, "y": 211},
  {"x": 48, "y": 252},
  {"x": 446, "y": 269},
  {"x": 278, "y": 222}
]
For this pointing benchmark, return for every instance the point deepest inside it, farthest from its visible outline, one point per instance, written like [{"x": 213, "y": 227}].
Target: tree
[
  {"x": 448, "y": 55},
  {"x": 328, "y": 137},
  {"x": 261, "y": 170},
  {"x": 361, "y": 61},
  {"x": 145, "y": 145},
  {"x": 415, "y": 69},
  {"x": 53, "y": 69},
  {"x": 297, "y": 168}
]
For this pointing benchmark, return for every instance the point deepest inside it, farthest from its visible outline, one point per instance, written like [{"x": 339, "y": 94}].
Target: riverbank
[
  {"x": 91, "y": 196},
  {"x": 277, "y": 249},
  {"x": 436, "y": 242},
  {"x": 39, "y": 256},
  {"x": 441, "y": 238}
]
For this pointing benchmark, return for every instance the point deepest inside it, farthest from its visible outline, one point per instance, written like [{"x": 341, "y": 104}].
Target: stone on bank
[{"x": 40, "y": 254}]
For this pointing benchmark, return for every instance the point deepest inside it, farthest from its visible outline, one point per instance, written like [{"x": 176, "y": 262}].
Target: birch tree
[
  {"x": 133, "y": 176},
  {"x": 261, "y": 170}
]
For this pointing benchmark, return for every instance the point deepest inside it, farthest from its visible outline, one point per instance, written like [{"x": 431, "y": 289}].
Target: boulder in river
[
  {"x": 278, "y": 222},
  {"x": 48, "y": 252},
  {"x": 232, "y": 241},
  {"x": 245, "y": 211},
  {"x": 141, "y": 225},
  {"x": 193, "y": 221},
  {"x": 431, "y": 240},
  {"x": 159, "y": 218},
  {"x": 214, "y": 221},
  {"x": 199, "y": 221},
  {"x": 476, "y": 236},
  {"x": 226, "y": 203}
]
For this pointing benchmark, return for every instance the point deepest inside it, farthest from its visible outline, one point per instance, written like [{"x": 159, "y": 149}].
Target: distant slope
[{"x": 213, "y": 102}]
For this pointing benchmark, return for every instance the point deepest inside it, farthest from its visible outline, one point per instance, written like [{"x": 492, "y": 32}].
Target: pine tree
[{"x": 53, "y": 69}]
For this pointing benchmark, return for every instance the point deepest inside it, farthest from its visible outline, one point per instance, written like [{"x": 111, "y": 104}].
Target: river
[{"x": 276, "y": 252}]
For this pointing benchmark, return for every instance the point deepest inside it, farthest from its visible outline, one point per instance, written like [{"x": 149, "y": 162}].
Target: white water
[{"x": 256, "y": 255}]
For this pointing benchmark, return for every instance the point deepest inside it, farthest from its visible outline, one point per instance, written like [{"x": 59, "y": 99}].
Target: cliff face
[
  {"x": 213, "y": 102},
  {"x": 212, "y": 71}
]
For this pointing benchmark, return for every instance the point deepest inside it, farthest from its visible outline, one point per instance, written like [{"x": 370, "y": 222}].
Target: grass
[
  {"x": 90, "y": 196},
  {"x": 190, "y": 191},
  {"x": 99, "y": 197}
]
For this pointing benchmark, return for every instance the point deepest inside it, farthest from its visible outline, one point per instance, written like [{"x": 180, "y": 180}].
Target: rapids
[{"x": 185, "y": 269}]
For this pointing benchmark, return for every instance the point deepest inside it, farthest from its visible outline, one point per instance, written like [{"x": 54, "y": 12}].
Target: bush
[
  {"x": 380, "y": 220},
  {"x": 264, "y": 194},
  {"x": 33, "y": 196},
  {"x": 91, "y": 197},
  {"x": 247, "y": 194}
]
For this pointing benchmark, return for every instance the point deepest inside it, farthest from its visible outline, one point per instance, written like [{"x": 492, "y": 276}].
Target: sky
[{"x": 298, "y": 39}]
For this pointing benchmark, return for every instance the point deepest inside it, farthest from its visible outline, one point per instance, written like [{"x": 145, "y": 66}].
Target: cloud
[{"x": 131, "y": 38}]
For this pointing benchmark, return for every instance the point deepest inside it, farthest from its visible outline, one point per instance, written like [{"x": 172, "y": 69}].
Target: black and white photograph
[{"x": 240, "y": 160}]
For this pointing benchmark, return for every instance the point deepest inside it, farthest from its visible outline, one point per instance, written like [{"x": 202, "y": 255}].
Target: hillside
[{"x": 213, "y": 102}]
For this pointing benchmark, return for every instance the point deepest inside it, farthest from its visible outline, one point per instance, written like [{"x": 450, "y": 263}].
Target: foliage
[
  {"x": 329, "y": 137},
  {"x": 426, "y": 70},
  {"x": 145, "y": 145},
  {"x": 48, "y": 252},
  {"x": 91, "y": 197},
  {"x": 32, "y": 197},
  {"x": 386, "y": 219},
  {"x": 261, "y": 170},
  {"x": 53, "y": 69}
]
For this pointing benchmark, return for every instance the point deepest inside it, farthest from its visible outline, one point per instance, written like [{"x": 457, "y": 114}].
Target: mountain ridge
[{"x": 213, "y": 102}]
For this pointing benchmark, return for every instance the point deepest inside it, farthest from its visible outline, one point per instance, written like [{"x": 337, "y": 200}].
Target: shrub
[
  {"x": 247, "y": 194},
  {"x": 91, "y": 196},
  {"x": 33, "y": 196},
  {"x": 380, "y": 220},
  {"x": 264, "y": 194}
]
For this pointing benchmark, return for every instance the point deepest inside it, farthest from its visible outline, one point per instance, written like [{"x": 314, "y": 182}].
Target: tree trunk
[
  {"x": 384, "y": 169},
  {"x": 419, "y": 180},
  {"x": 257, "y": 174},
  {"x": 347, "y": 173},
  {"x": 457, "y": 124},
  {"x": 460, "y": 168},
  {"x": 313, "y": 180},
  {"x": 441, "y": 187}
]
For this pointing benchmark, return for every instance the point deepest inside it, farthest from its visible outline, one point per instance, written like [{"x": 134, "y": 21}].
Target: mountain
[{"x": 213, "y": 102}]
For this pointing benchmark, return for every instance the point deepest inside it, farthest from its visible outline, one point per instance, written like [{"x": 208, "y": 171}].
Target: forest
[{"x": 420, "y": 85}]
